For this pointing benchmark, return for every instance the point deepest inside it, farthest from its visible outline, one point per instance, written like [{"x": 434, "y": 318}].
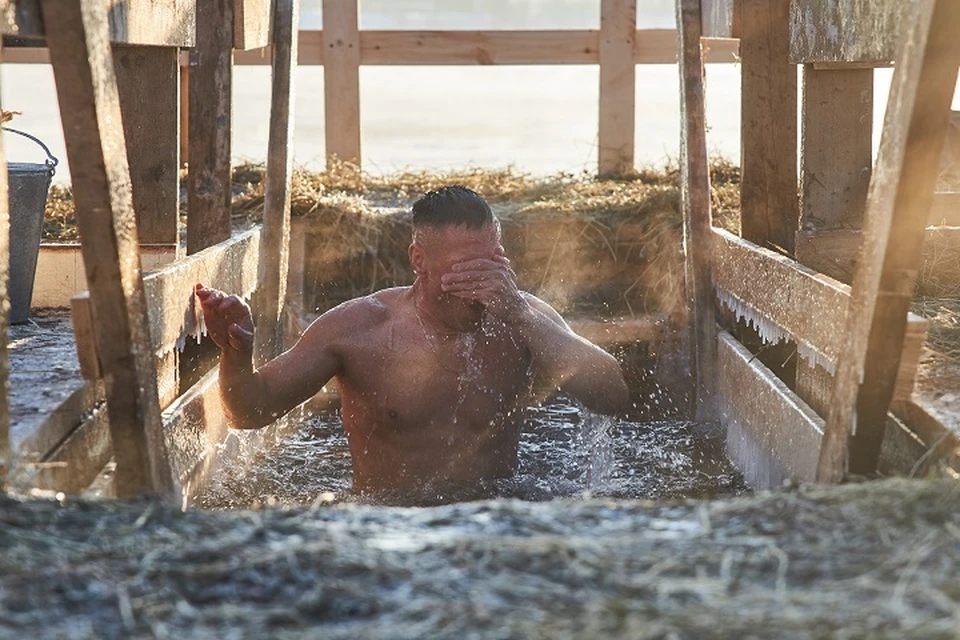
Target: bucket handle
[{"x": 51, "y": 160}]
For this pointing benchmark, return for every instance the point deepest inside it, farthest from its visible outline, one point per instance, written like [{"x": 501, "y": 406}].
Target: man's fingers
[
  {"x": 239, "y": 338},
  {"x": 479, "y": 264}
]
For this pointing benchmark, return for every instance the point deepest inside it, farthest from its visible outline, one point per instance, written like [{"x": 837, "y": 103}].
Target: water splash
[{"x": 564, "y": 451}]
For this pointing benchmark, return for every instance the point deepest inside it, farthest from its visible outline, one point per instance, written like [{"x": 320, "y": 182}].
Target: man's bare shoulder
[{"x": 363, "y": 313}]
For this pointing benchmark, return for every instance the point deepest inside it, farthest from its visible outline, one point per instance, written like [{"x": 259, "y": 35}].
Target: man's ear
[{"x": 415, "y": 253}]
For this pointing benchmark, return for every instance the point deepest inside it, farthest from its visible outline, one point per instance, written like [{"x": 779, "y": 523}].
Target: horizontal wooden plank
[
  {"x": 941, "y": 443},
  {"x": 844, "y": 30},
  {"x": 619, "y": 331},
  {"x": 173, "y": 314},
  {"x": 77, "y": 461},
  {"x": 651, "y": 46},
  {"x": 785, "y": 299},
  {"x": 771, "y": 433},
  {"x": 945, "y": 211},
  {"x": 478, "y": 47},
  {"x": 171, "y": 23}
]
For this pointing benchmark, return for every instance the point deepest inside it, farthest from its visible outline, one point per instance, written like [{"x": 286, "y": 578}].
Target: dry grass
[{"x": 875, "y": 560}]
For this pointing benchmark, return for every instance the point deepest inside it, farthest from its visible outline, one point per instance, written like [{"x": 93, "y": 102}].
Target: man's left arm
[
  {"x": 566, "y": 361},
  {"x": 562, "y": 359}
]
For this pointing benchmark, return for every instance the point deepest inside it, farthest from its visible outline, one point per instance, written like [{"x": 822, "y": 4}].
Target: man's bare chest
[{"x": 417, "y": 376}]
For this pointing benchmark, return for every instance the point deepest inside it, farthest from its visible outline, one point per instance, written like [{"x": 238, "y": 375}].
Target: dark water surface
[{"x": 564, "y": 452}]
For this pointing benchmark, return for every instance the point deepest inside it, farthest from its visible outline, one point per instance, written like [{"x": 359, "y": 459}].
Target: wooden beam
[
  {"x": 211, "y": 85},
  {"x": 479, "y": 47},
  {"x": 836, "y": 154},
  {"x": 148, "y": 79},
  {"x": 6, "y": 455},
  {"x": 618, "y": 26},
  {"x": 498, "y": 47},
  {"x": 945, "y": 210},
  {"x": 771, "y": 433},
  {"x": 251, "y": 24},
  {"x": 76, "y": 462},
  {"x": 768, "y": 186},
  {"x": 607, "y": 333},
  {"x": 84, "y": 334},
  {"x": 898, "y": 205},
  {"x": 777, "y": 295},
  {"x": 136, "y": 22},
  {"x": 173, "y": 312},
  {"x": 184, "y": 140},
  {"x": 78, "y": 37},
  {"x": 21, "y": 18},
  {"x": 844, "y": 30},
  {"x": 721, "y": 18},
  {"x": 695, "y": 200},
  {"x": 275, "y": 238},
  {"x": 341, "y": 80}
]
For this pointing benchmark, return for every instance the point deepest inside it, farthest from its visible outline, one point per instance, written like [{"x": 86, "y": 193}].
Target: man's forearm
[
  {"x": 241, "y": 391},
  {"x": 568, "y": 361}
]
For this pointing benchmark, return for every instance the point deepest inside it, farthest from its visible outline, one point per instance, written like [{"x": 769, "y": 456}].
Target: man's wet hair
[{"x": 452, "y": 205}]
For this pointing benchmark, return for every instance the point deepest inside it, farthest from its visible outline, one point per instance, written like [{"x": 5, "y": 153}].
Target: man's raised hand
[
  {"x": 228, "y": 319},
  {"x": 490, "y": 282}
]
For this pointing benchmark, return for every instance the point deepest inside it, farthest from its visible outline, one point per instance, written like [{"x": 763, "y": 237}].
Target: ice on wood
[{"x": 771, "y": 333}]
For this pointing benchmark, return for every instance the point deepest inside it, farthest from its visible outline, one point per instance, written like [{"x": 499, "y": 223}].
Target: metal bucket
[{"x": 29, "y": 183}]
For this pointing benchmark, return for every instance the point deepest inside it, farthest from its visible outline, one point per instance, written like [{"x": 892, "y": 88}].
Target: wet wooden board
[
  {"x": 836, "y": 153},
  {"x": 605, "y": 333},
  {"x": 695, "y": 201},
  {"x": 844, "y": 30},
  {"x": 275, "y": 238},
  {"x": 230, "y": 266},
  {"x": 720, "y": 18},
  {"x": 148, "y": 79},
  {"x": 78, "y": 36},
  {"x": 210, "y": 126},
  {"x": 898, "y": 206},
  {"x": 251, "y": 24},
  {"x": 761, "y": 410},
  {"x": 945, "y": 210},
  {"x": 768, "y": 185},
  {"x": 170, "y": 23},
  {"x": 5, "y": 453},
  {"x": 498, "y": 47},
  {"x": 808, "y": 307},
  {"x": 618, "y": 24}
]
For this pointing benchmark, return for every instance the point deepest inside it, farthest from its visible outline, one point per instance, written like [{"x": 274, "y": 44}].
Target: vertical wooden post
[
  {"x": 925, "y": 75},
  {"x": 695, "y": 193},
  {"x": 275, "y": 238},
  {"x": 341, "y": 79},
  {"x": 768, "y": 185},
  {"x": 211, "y": 84},
  {"x": 618, "y": 28},
  {"x": 184, "y": 116},
  {"x": 6, "y": 456},
  {"x": 837, "y": 147},
  {"x": 78, "y": 38},
  {"x": 148, "y": 79}
]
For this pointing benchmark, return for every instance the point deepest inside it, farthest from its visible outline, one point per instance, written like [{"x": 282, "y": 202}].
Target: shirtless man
[{"x": 434, "y": 378}]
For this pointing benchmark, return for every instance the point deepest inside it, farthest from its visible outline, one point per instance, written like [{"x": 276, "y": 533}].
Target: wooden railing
[{"x": 342, "y": 48}]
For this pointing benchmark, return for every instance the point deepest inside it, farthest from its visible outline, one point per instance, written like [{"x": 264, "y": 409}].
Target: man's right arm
[{"x": 253, "y": 398}]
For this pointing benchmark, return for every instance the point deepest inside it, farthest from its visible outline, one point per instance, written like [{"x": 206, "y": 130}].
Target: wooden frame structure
[
  {"x": 342, "y": 47},
  {"x": 128, "y": 326},
  {"x": 856, "y": 348}
]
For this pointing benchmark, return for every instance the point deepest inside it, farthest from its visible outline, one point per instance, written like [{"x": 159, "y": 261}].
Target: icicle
[{"x": 769, "y": 332}]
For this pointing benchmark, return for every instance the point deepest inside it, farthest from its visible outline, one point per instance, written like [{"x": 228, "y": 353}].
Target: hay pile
[
  {"x": 878, "y": 560},
  {"x": 605, "y": 247}
]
